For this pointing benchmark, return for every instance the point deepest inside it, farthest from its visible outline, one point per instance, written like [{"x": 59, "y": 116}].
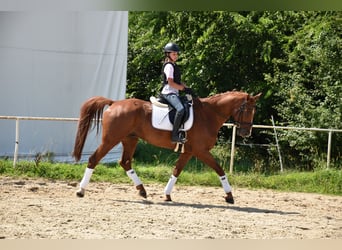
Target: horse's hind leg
[
  {"x": 129, "y": 145},
  {"x": 94, "y": 159}
]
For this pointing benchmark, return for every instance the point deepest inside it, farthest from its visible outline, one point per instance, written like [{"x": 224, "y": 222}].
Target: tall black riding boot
[{"x": 175, "y": 137}]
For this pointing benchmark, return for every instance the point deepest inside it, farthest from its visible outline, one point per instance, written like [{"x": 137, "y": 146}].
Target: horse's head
[{"x": 243, "y": 115}]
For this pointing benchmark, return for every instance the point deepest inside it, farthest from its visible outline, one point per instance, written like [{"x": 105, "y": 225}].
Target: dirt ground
[{"x": 43, "y": 209}]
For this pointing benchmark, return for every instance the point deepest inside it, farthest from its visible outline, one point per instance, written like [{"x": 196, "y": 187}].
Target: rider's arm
[{"x": 175, "y": 85}]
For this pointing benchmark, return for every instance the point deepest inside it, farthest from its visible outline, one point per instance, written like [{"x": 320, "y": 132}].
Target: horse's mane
[
  {"x": 234, "y": 92},
  {"x": 209, "y": 99}
]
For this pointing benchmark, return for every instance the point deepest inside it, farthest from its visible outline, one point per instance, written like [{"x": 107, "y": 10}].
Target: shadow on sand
[{"x": 210, "y": 206}]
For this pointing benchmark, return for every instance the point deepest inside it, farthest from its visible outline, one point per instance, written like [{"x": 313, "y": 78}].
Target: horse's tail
[{"x": 91, "y": 110}]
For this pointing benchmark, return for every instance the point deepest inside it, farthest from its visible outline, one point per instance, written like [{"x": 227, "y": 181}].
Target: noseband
[{"x": 243, "y": 108}]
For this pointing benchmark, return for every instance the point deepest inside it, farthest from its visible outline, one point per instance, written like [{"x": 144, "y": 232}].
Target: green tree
[
  {"x": 144, "y": 53},
  {"x": 220, "y": 50},
  {"x": 292, "y": 57},
  {"x": 307, "y": 83}
]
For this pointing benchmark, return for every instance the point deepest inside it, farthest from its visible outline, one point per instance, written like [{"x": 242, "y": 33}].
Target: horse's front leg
[
  {"x": 180, "y": 164},
  {"x": 129, "y": 145},
  {"x": 208, "y": 159}
]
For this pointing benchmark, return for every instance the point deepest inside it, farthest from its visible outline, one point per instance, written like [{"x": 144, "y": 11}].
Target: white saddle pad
[{"x": 160, "y": 116}]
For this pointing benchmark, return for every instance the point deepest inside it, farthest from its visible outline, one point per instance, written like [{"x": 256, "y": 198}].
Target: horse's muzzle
[{"x": 244, "y": 132}]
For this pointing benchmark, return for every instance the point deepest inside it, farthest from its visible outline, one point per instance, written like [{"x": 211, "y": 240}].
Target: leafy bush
[{"x": 292, "y": 57}]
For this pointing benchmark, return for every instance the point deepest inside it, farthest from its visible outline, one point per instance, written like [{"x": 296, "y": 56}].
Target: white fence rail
[
  {"x": 18, "y": 118},
  {"x": 329, "y": 131}
]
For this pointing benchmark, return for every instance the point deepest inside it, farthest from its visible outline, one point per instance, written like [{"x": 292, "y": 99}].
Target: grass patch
[
  {"x": 320, "y": 181},
  {"x": 155, "y": 165},
  {"x": 323, "y": 181}
]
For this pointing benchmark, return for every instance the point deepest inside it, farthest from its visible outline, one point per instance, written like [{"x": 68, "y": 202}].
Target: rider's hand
[{"x": 188, "y": 91}]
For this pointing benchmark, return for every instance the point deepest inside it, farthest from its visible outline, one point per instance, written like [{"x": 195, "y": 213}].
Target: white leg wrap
[
  {"x": 225, "y": 184},
  {"x": 170, "y": 185},
  {"x": 86, "y": 177},
  {"x": 133, "y": 176}
]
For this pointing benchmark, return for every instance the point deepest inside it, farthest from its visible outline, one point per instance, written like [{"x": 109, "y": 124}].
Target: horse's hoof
[
  {"x": 229, "y": 198},
  {"x": 80, "y": 193},
  {"x": 143, "y": 193},
  {"x": 168, "y": 198}
]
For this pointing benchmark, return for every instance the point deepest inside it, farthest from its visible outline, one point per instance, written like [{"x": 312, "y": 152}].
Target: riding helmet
[{"x": 171, "y": 47}]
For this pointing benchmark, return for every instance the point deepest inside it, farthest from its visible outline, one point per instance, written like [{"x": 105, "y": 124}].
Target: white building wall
[{"x": 50, "y": 63}]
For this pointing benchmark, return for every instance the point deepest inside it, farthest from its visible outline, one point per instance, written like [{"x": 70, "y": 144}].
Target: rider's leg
[
  {"x": 174, "y": 100},
  {"x": 176, "y": 124}
]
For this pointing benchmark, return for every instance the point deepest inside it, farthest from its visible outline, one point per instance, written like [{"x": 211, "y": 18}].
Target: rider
[{"x": 171, "y": 86}]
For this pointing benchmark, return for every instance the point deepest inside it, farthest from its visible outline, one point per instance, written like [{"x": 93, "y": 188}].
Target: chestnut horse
[{"x": 128, "y": 120}]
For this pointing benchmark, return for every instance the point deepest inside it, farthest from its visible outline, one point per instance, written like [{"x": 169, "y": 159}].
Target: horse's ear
[{"x": 256, "y": 97}]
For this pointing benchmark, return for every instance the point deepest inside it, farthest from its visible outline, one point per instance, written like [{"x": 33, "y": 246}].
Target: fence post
[
  {"x": 15, "y": 157},
  {"x": 276, "y": 137},
  {"x": 232, "y": 150},
  {"x": 329, "y": 148}
]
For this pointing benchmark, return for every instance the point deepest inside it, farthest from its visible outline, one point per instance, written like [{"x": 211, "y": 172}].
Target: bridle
[{"x": 243, "y": 108}]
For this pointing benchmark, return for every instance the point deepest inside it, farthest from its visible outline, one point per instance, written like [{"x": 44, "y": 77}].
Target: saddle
[{"x": 163, "y": 114}]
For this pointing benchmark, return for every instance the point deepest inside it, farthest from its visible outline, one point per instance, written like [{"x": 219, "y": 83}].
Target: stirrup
[
  {"x": 177, "y": 147},
  {"x": 181, "y": 138}
]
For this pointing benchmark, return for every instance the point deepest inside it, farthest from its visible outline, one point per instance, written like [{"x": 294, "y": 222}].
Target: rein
[{"x": 242, "y": 109}]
